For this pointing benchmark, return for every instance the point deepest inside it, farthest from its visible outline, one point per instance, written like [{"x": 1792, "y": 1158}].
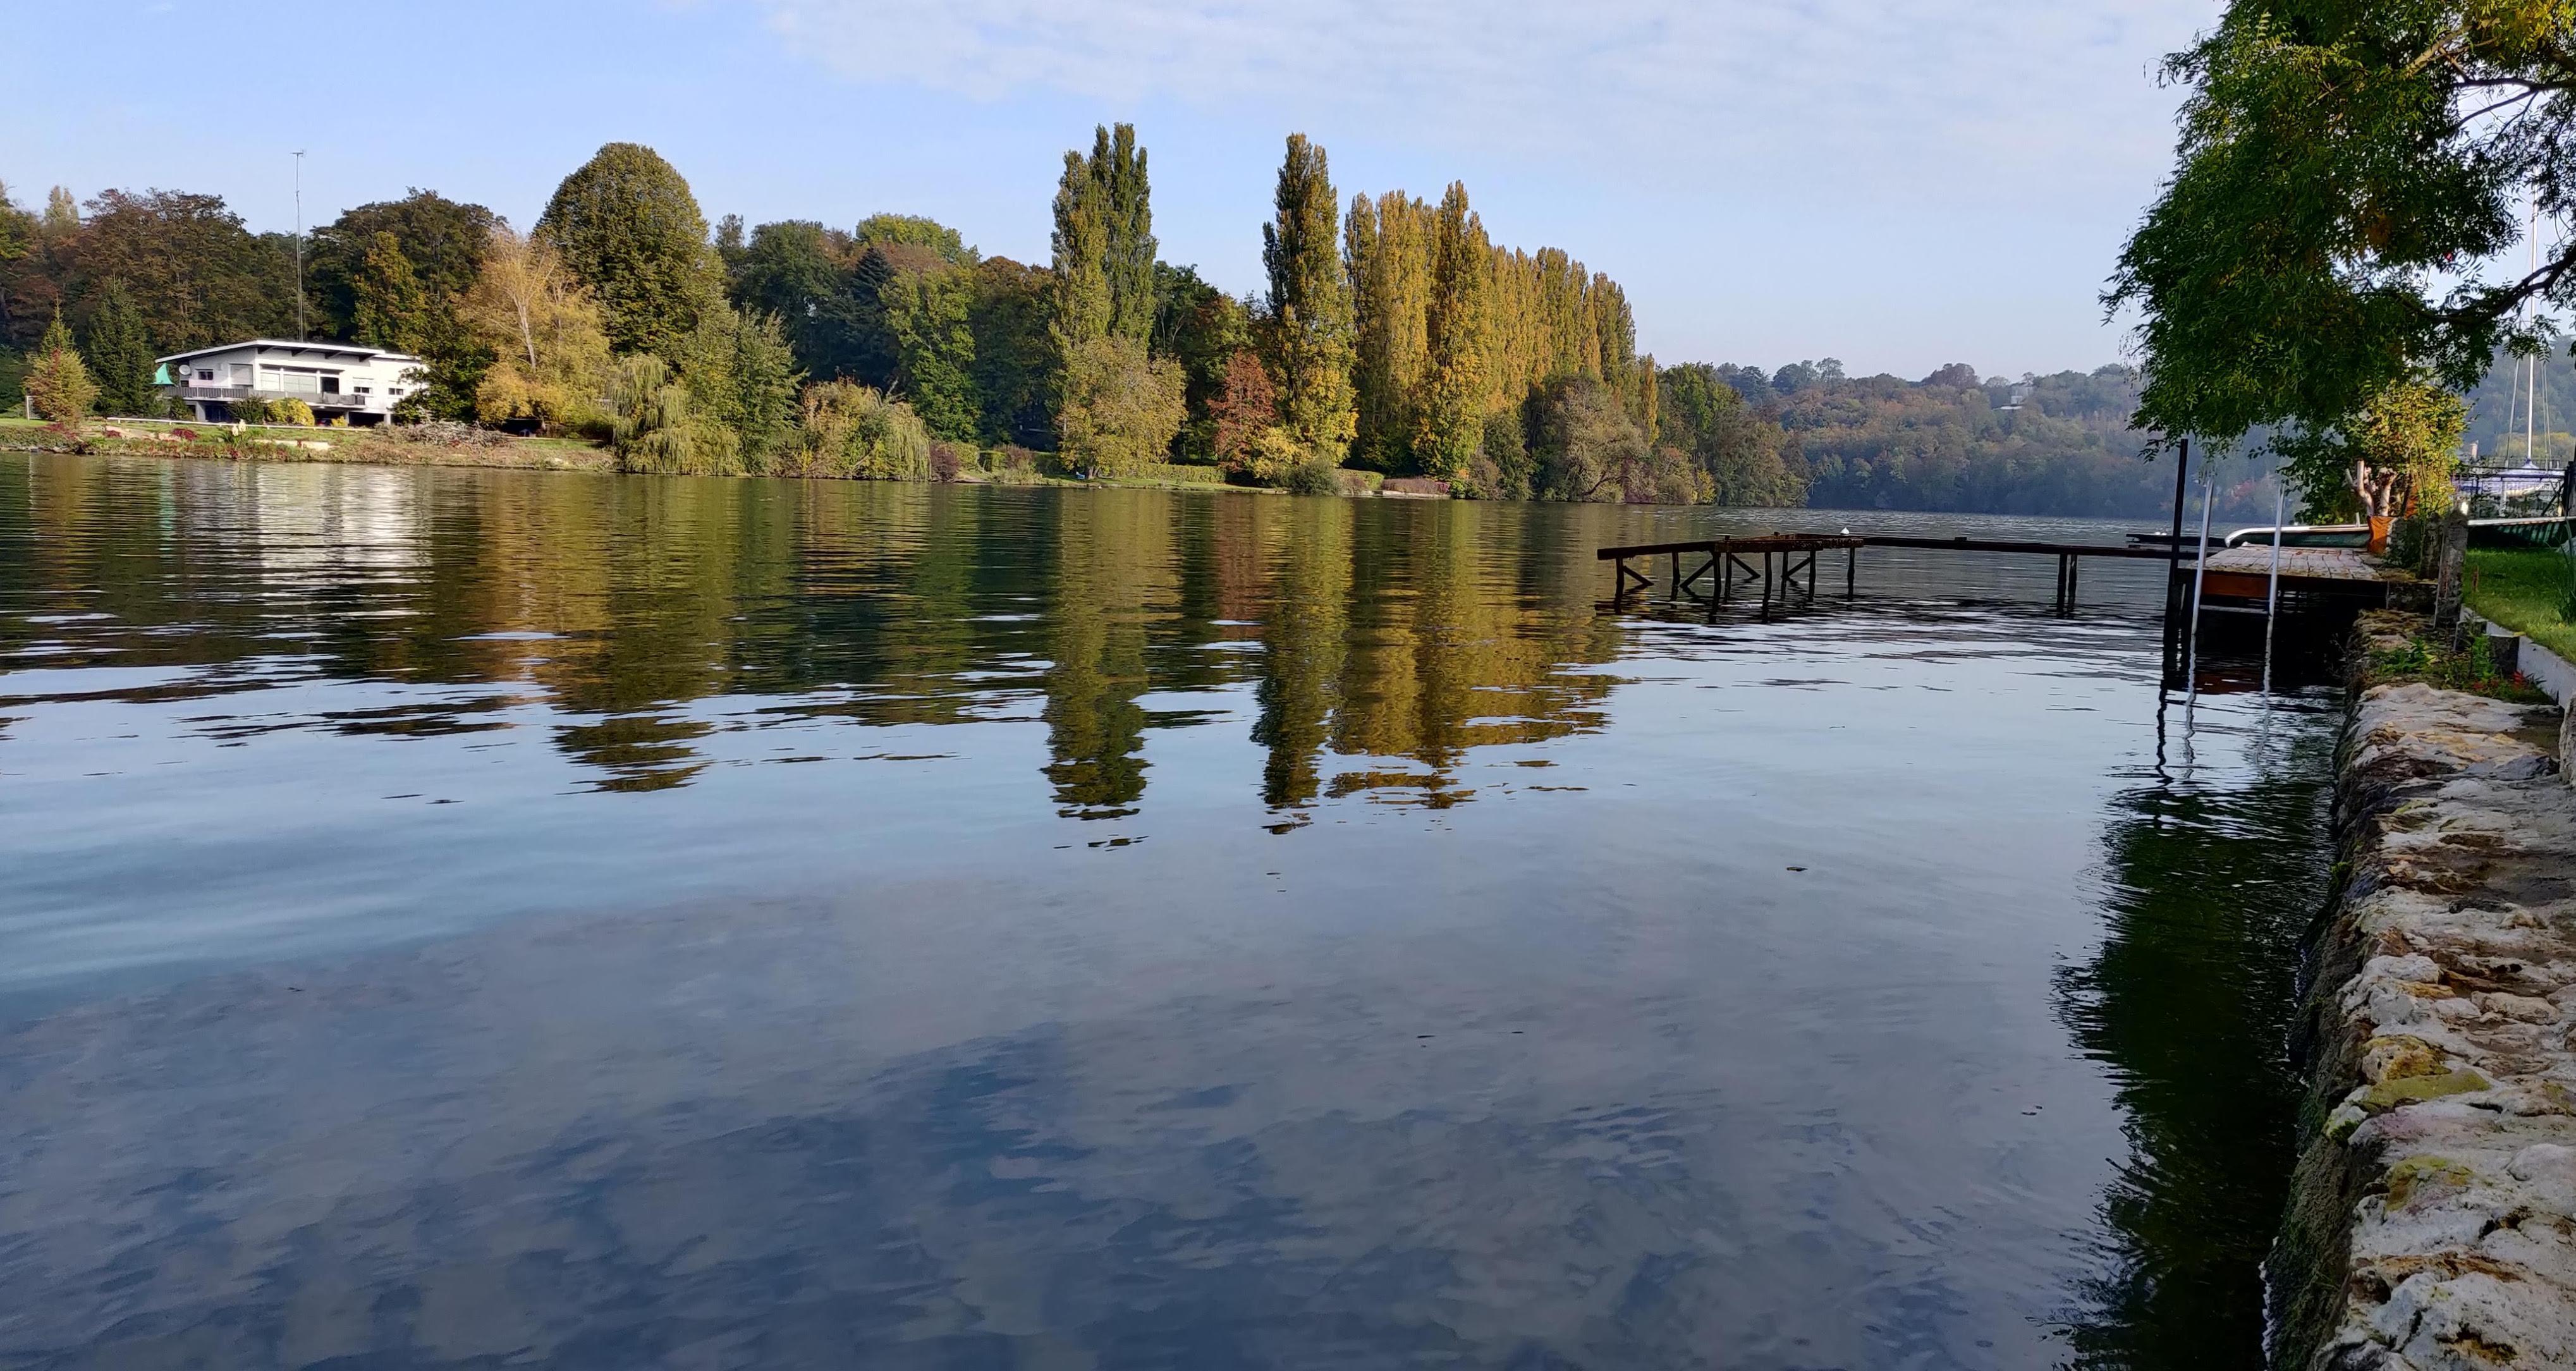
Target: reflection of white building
[{"x": 337, "y": 379}]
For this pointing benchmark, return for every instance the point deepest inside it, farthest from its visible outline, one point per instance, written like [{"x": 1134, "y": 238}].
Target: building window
[{"x": 205, "y": 373}]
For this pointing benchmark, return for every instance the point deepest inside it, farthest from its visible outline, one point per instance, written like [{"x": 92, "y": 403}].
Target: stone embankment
[{"x": 2433, "y": 1217}]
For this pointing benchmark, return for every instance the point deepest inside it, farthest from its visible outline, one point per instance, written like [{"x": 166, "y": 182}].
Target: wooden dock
[
  {"x": 1787, "y": 565},
  {"x": 1724, "y": 558}
]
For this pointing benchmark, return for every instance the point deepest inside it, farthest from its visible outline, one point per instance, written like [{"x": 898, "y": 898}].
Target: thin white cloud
[{"x": 1921, "y": 93}]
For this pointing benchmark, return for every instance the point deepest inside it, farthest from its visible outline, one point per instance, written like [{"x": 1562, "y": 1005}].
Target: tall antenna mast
[{"x": 299, "y": 245}]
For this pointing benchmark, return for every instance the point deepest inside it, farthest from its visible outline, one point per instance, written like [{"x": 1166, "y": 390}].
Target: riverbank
[
  {"x": 2432, "y": 1222},
  {"x": 459, "y": 445}
]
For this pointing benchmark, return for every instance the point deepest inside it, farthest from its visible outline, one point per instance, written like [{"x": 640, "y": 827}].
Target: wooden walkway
[{"x": 2241, "y": 572}]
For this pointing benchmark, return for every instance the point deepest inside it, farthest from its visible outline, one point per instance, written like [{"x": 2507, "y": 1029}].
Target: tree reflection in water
[
  {"x": 2213, "y": 876},
  {"x": 631, "y": 607}
]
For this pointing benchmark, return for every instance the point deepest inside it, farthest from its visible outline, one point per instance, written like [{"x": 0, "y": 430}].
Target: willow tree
[
  {"x": 2348, "y": 181},
  {"x": 1454, "y": 385},
  {"x": 1309, "y": 305},
  {"x": 630, "y": 231}
]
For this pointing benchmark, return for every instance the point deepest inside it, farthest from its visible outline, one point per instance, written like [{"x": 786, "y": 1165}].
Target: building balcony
[{"x": 365, "y": 404}]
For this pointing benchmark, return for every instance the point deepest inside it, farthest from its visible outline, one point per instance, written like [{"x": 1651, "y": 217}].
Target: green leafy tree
[
  {"x": 1709, "y": 420},
  {"x": 2399, "y": 451},
  {"x": 2346, "y": 171},
  {"x": 741, "y": 376},
  {"x": 17, "y": 244},
  {"x": 441, "y": 240},
  {"x": 120, "y": 356},
  {"x": 627, "y": 226},
  {"x": 914, "y": 231},
  {"x": 196, "y": 276},
  {"x": 1309, "y": 305},
  {"x": 929, "y": 312},
  {"x": 1586, "y": 446},
  {"x": 62, "y": 214},
  {"x": 1201, "y": 328},
  {"x": 57, "y": 383},
  {"x": 1121, "y": 407},
  {"x": 1503, "y": 469},
  {"x": 388, "y": 308},
  {"x": 801, "y": 272},
  {"x": 1014, "y": 356}
]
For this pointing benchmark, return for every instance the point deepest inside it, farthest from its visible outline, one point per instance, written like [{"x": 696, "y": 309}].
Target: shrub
[
  {"x": 250, "y": 409},
  {"x": 1013, "y": 465},
  {"x": 1267, "y": 456},
  {"x": 1179, "y": 474},
  {"x": 853, "y": 431},
  {"x": 946, "y": 460},
  {"x": 1317, "y": 477},
  {"x": 1359, "y": 482},
  {"x": 185, "y": 435},
  {"x": 290, "y": 411}
]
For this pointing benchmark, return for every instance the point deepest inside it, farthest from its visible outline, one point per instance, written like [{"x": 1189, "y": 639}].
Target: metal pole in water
[
  {"x": 2199, "y": 571},
  {"x": 2272, "y": 602}
]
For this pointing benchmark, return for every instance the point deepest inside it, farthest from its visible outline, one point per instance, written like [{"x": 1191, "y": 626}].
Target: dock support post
[
  {"x": 1676, "y": 592},
  {"x": 1851, "y": 570}
]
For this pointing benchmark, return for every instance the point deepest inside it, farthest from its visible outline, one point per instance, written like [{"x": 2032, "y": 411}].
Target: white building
[{"x": 350, "y": 380}]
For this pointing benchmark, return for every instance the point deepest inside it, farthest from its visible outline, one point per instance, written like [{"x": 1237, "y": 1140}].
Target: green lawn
[{"x": 2526, "y": 590}]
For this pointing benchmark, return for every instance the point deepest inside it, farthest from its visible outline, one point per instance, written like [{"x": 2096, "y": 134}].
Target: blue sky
[{"x": 1898, "y": 183}]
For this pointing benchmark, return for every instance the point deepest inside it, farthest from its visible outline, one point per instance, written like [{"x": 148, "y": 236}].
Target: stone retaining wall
[{"x": 2432, "y": 1221}]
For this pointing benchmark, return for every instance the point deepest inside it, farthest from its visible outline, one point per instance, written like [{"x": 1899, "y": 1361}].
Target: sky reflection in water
[{"x": 466, "y": 915}]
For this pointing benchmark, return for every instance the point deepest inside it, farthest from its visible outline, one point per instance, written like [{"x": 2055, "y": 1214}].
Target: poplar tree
[
  {"x": 119, "y": 355},
  {"x": 1080, "y": 307},
  {"x": 1386, "y": 256},
  {"x": 1116, "y": 404},
  {"x": 1310, "y": 308},
  {"x": 1127, "y": 241},
  {"x": 1454, "y": 388}
]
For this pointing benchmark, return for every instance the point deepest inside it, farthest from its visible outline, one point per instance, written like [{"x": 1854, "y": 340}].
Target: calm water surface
[{"x": 473, "y": 918}]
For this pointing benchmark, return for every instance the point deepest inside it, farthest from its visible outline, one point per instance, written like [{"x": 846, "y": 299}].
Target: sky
[{"x": 1895, "y": 183}]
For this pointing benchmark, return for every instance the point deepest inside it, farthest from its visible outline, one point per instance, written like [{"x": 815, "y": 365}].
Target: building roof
[{"x": 358, "y": 351}]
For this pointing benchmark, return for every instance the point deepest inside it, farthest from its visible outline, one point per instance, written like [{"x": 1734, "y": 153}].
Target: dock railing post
[
  {"x": 2272, "y": 598},
  {"x": 2199, "y": 574}
]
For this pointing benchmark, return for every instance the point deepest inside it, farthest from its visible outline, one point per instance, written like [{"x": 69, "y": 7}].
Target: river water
[{"x": 464, "y": 918}]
